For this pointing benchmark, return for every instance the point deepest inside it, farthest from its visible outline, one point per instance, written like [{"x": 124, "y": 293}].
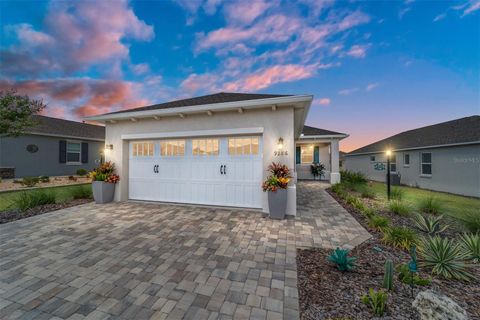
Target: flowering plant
[
  {"x": 105, "y": 173},
  {"x": 278, "y": 179}
]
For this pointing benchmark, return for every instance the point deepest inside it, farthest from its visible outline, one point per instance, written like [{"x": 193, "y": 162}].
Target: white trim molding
[{"x": 193, "y": 133}]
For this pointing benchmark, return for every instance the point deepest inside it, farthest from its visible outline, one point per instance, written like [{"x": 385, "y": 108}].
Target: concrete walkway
[{"x": 155, "y": 261}]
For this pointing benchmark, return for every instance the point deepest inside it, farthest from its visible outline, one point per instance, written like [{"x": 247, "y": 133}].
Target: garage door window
[
  {"x": 142, "y": 149},
  {"x": 172, "y": 148},
  {"x": 243, "y": 146},
  {"x": 203, "y": 147}
]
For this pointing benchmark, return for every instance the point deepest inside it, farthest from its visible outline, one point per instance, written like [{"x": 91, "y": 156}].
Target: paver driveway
[{"x": 138, "y": 260}]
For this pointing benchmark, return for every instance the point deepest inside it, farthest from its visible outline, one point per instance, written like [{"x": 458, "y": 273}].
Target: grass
[
  {"x": 62, "y": 194},
  {"x": 27, "y": 200},
  {"x": 454, "y": 206},
  {"x": 430, "y": 205},
  {"x": 399, "y": 207}
]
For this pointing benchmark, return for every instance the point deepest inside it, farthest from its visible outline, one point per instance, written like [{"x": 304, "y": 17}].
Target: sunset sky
[{"x": 375, "y": 68}]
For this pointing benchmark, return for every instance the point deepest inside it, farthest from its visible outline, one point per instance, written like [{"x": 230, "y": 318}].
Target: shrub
[
  {"x": 368, "y": 212},
  {"x": 407, "y": 277},
  {"x": 471, "y": 220},
  {"x": 29, "y": 181},
  {"x": 338, "y": 189},
  {"x": 72, "y": 178},
  {"x": 429, "y": 205},
  {"x": 82, "y": 172},
  {"x": 444, "y": 257},
  {"x": 44, "y": 179},
  {"x": 317, "y": 169},
  {"x": 342, "y": 260},
  {"x": 17, "y": 181},
  {"x": 27, "y": 200},
  {"x": 432, "y": 226},
  {"x": 353, "y": 177},
  {"x": 81, "y": 192},
  {"x": 376, "y": 300},
  {"x": 399, "y": 237},
  {"x": 388, "y": 275},
  {"x": 471, "y": 245},
  {"x": 367, "y": 193},
  {"x": 396, "y": 193},
  {"x": 378, "y": 222},
  {"x": 399, "y": 207}
]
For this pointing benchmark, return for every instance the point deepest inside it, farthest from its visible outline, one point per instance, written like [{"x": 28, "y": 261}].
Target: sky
[{"x": 375, "y": 68}]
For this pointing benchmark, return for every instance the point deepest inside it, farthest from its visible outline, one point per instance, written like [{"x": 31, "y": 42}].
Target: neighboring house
[
  {"x": 213, "y": 149},
  {"x": 53, "y": 147},
  {"x": 442, "y": 157}
]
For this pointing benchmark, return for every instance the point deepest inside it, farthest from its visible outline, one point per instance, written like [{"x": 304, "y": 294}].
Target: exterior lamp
[
  {"x": 108, "y": 147},
  {"x": 388, "y": 153},
  {"x": 280, "y": 143}
]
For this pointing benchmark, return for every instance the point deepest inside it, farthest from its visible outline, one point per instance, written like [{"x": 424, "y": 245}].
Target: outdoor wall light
[
  {"x": 280, "y": 143},
  {"x": 108, "y": 147},
  {"x": 388, "y": 153}
]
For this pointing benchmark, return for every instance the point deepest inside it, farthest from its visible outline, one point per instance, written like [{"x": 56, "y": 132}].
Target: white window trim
[
  {"x": 73, "y": 163},
  {"x": 301, "y": 154},
  {"x": 173, "y": 155},
  {"x": 250, "y": 154},
  {"x": 405, "y": 164},
  {"x": 426, "y": 175},
  {"x": 142, "y": 142}
]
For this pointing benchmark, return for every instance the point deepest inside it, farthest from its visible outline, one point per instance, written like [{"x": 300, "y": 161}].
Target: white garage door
[{"x": 224, "y": 171}]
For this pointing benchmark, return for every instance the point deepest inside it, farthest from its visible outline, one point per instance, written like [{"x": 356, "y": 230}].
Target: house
[
  {"x": 53, "y": 147},
  {"x": 442, "y": 157},
  {"x": 214, "y": 149}
]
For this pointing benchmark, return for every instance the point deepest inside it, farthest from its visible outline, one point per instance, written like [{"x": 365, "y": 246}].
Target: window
[
  {"x": 426, "y": 164},
  {"x": 393, "y": 163},
  {"x": 73, "y": 152},
  {"x": 142, "y": 149},
  {"x": 243, "y": 146},
  {"x": 372, "y": 158},
  {"x": 172, "y": 148},
  {"x": 202, "y": 147},
  {"x": 306, "y": 154},
  {"x": 406, "y": 160}
]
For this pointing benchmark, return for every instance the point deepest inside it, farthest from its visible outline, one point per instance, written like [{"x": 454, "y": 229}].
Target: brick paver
[{"x": 155, "y": 261}]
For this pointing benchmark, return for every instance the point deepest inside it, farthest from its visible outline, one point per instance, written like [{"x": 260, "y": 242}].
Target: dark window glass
[
  {"x": 406, "y": 159},
  {"x": 426, "y": 169},
  {"x": 372, "y": 158},
  {"x": 426, "y": 157},
  {"x": 73, "y": 157},
  {"x": 393, "y": 167}
]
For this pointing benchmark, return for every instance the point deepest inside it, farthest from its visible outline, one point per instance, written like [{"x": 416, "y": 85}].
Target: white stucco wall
[
  {"x": 454, "y": 169},
  {"x": 303, "y": 169},
  {"x": 276, "y": 124}
]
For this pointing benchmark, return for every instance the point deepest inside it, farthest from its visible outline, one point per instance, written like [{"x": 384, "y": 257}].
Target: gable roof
[
  {"x": 463, "y": 130},
  {"x": 312, "y": 131},
  {"x": 220, "y": 97},
  {"x": 65, "y": 128}
]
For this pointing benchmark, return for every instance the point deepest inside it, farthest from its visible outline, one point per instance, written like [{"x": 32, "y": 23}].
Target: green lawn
[
  {"x": 62, "y": 194},
  {"x": 452, "y": 205}
]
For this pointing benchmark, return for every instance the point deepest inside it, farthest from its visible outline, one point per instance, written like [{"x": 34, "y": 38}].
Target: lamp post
[{"x": 388, "y": 173}]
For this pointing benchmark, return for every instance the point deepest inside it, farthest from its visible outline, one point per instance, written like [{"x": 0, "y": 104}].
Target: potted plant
[
  {"x": 317, "y": 169},
  {"x": 276, "y": 185},
  {"x": 103, "y": 182}
]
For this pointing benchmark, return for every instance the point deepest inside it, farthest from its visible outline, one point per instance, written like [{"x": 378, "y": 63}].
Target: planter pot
[
  {"x": 103, "y": 191},
  {"x": 277, "y": 203}
]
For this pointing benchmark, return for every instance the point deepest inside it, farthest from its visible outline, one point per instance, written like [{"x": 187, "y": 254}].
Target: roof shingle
[
  {"x": 54, "y": 126},
  {"x": 312, "y": 131},
  {"x": 455, "y": 131},
  {"x": 221, "y": 97}
]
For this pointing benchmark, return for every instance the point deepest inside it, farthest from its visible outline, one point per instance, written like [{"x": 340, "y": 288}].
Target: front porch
[{"x": 310, "y": 151}]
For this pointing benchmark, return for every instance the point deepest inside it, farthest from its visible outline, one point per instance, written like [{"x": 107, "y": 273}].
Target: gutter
[
  {"x": 63, "y": 136},
  {"x": 417, "y": 148},
  {"x": 245, "y": 104}
]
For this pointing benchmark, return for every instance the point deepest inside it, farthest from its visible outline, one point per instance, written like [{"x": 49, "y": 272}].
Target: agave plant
[
  {"x": 445, "y": 258},
  {"x": 342, "y": 260},
  {"x": 471, "y": 244},
  {"x": 376, "y": 300},
  {"x": 432, "y": 225}
]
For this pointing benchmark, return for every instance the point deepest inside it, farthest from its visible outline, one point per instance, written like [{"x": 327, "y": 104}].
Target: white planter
[{"x": 103, "y": 191}]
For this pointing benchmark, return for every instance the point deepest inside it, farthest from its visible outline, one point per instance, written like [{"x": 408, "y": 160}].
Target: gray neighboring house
[
  {"x": 441, "y": 157},
  {"x": 54, "y": 147}
]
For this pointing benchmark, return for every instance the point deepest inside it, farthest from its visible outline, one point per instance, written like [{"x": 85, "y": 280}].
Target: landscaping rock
[{"x": 434, "y": 306}]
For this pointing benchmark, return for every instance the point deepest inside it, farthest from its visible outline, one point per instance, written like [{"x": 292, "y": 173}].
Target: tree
[{"x": 16, "y": 112}]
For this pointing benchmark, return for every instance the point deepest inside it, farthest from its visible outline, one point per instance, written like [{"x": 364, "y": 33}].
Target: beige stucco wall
[
  {"x": 303, "y": 169},
  {"x": 276, "y": 124},
  {"x": 455, "y": 169}
]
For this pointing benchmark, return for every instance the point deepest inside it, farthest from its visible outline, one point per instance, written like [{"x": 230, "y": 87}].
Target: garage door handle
[
  {"x": 221, "y": 168},
  {"x": 224, "y": 169}
]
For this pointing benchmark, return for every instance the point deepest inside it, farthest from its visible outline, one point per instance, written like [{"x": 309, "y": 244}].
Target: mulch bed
[
  {"x": 327, "y": 293},
  {"x": 12, "y": 215}
]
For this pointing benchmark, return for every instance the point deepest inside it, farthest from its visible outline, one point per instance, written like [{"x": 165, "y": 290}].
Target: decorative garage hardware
[
  {"x": 223, "y": 169},
  {"x": 32, "y": 148},
  {"x": 155, "y": 168}
]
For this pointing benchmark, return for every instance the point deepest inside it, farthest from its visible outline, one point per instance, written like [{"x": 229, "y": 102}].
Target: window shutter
[
  {"x": 316, "y": 154},
  {"x": 298, "y": 155},
  {"x": 84, "y": 152},
  {"x": 62, "y": 151}
]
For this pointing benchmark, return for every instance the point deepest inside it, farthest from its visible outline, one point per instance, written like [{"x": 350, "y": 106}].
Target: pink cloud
[
  {"x": 75, "y": 36},
  {"x": 346, "y": 92},
  {"x": 321, "y": 101},
  {"x": 357, "y": 51},
  {"x": 371, "y": 86},
  {"x": 270, "y": 76},
  {"x": 194, "y": 83},
  {"x": 140, "y": 68},
  {"x": 249, "y": 10}
]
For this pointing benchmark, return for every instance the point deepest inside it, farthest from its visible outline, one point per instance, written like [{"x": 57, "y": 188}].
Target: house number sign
[
  {"x": 379, "y": 166},
  {"x": 279, "y": 153}
]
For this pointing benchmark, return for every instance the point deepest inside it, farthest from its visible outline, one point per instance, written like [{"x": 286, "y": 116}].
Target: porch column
[{"x": 334, "y": 162}]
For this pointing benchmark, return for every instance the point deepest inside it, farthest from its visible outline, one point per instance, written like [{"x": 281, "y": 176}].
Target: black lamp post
[{"x": 388, "y": 173}]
